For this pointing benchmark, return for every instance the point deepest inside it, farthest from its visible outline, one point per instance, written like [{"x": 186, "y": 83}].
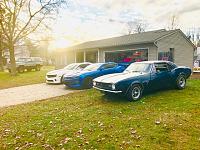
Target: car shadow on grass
[{"x": 119, "y": 98}]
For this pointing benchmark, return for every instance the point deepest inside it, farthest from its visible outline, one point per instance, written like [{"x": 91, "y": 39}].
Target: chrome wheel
[
  {"x": 181, "y": 82},
  {"x": 135, "y": 92}
]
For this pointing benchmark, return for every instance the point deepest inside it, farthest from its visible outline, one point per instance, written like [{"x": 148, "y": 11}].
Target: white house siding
[
  {"x": 64, "y": 58},
  {"x": 70, "y": 57},
  {"x": 183, "y": 50}
]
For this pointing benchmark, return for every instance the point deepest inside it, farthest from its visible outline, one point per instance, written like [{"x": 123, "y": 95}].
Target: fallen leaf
[{"x": 157, "y": 122}]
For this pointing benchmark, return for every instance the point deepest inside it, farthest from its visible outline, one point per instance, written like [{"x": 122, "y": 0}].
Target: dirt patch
[{"x": 195, "y": 76}]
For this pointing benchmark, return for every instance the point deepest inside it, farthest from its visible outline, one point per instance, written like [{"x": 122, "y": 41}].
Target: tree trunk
[
  {"x": 1, "y": 61},
  {"x": 12, "y": 60}
]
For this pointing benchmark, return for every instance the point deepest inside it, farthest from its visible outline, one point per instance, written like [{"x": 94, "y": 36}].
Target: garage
[{"x": 120, "y": 56}]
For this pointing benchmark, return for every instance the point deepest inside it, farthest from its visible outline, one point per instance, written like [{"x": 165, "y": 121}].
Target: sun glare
[{"x": 61, "y": 43}]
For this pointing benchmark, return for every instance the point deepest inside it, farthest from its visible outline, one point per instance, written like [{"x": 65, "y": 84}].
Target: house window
[
  {"x": 79, "y": 57},
  {"x": 169, "y": 56},
  {"x": 91, "y": 57},
  {"x": 127, "y": 56}
]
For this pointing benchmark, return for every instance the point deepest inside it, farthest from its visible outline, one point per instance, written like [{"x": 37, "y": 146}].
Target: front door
[{"x": 160, "y": 76}]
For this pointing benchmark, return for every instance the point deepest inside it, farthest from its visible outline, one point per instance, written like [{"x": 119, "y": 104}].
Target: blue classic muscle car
[
  {"x": 143, "y": 76},
  {"x": 83, "y": 79}
]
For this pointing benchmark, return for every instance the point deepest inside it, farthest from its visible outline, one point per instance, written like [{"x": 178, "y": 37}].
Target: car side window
[
  {"x": 161, "y": 67},
  {"x": 28, "y": 59},
  {"x": 171, "y": 66},
  {"x": 109, "y": 66}
]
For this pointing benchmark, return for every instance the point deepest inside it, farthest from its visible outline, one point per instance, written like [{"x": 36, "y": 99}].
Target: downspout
[
  {"x": 155, "y": 43},
  {"x": 98, "y": 54},
  {"x": 84, "y": 56}
]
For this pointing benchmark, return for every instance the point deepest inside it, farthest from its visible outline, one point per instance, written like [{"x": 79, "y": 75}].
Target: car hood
[
  {"x": 75, "y": 73},
  {"x": 60, "y": 72},
  {"x": 116, "y": 77},
  {"x": 18, "y": 62}
]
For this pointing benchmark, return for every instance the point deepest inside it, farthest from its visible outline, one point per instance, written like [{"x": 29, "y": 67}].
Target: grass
[
  {"x": 89, "y": 120},
  {"x": 7, "y": 81}
]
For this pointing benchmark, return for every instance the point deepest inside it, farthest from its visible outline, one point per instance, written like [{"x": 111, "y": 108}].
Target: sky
[{"x": 85, "y": 20}]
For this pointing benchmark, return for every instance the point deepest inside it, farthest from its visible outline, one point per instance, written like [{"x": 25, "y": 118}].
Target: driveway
[{"x": 29, "y": 93}]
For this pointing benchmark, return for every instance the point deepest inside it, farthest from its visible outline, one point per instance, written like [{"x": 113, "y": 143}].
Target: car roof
[
  {"x": 154, "y": 61},
  {"x": 82, "y": 63}
]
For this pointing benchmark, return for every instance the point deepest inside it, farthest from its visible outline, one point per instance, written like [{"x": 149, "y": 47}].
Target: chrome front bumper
[{"x": 107, "y": 90}]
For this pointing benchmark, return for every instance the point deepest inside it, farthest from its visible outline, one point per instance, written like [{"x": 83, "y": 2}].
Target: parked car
[
  {"x": 196, "y": 68},
  {"x": 27, "y": 63},
  {"x": 144, "y": 76},
  {"x": 56, "y": 76},
  {"x": 83, "y": 79}
]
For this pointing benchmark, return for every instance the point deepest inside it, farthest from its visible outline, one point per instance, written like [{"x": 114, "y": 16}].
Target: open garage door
[{"x": 126, "y": 56}]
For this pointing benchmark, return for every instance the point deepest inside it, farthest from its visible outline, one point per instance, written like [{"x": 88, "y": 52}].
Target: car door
[
  {"x": 29, "y": 62},
  {"x": 160, "y": 76}
]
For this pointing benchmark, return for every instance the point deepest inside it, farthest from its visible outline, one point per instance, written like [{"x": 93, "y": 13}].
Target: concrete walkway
[{"x": 29, "y": 93}]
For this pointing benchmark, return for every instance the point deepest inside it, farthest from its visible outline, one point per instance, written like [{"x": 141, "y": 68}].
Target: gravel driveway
[{"x": 29, "y": 93}]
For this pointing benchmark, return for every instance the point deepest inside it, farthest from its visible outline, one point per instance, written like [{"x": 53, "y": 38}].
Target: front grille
[
  {"x": 68, "y": 78},
  {"x": 106, "y": 86},
  {"x": 51, "y": 76},
  {"x": 50, "y": 80}
]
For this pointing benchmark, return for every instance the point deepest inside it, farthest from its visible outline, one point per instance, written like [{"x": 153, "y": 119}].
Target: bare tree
[
  {"x": 23, "y": 17},
  {"x": 1, "y": 54},
  {"x": 1, "y": 44},
  {"x": 1, "y": 51},
  {"x": 173, "y": 22},
  {"x": 136, "y": 26}
]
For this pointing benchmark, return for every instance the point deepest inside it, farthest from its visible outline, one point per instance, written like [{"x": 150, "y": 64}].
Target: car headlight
[
  {"x": 113, "y": 86},
  {"x": 94, "y": 83}
]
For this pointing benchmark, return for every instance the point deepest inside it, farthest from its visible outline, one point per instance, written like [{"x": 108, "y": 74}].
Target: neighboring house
[
  {"x": 197, "y": 60},
  {"x": 198, "y": 53},
  {"x": 20, "y": 51},
  {"x": 170, "y": 45}
]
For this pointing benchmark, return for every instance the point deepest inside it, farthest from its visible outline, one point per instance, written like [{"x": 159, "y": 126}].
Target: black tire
[
  {"x": 180, "y": 82},
  {"x": 87, "y": 83},
  {"x": 20, "y": 69},
  {"x": 61, "y": 79},
  {"x": 135, "y": 92},
  {"x": 29, "y": 69},
  {"x": 37, "y": 68}
]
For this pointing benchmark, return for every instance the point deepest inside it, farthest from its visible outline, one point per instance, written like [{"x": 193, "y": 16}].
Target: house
[
  {"x": 20, "y": 51},
  {"x": 170, "y": 45}
]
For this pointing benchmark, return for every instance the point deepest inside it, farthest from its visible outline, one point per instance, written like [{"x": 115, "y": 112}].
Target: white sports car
[{"x": 56, "y": 76}]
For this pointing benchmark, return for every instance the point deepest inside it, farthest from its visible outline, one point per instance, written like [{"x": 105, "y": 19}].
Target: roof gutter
[{"x": 146, "y": 42}]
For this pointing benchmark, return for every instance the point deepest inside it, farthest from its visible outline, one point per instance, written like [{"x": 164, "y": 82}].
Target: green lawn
[
  {"x": 6, "y": 80},
  {"x": 88, "y": 120}
]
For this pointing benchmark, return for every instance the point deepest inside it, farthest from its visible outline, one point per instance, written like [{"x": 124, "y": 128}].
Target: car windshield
[
  {"x": 23, "y": 59},
  {"x": 92, "y": 67},
  {"x": 138, "y": 67},
  {"x": 71, "y": 67},
  {"x": 82, "y": 66}
]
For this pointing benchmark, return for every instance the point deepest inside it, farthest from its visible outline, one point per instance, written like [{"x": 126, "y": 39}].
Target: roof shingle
[{"x": 138, "y": 38}]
